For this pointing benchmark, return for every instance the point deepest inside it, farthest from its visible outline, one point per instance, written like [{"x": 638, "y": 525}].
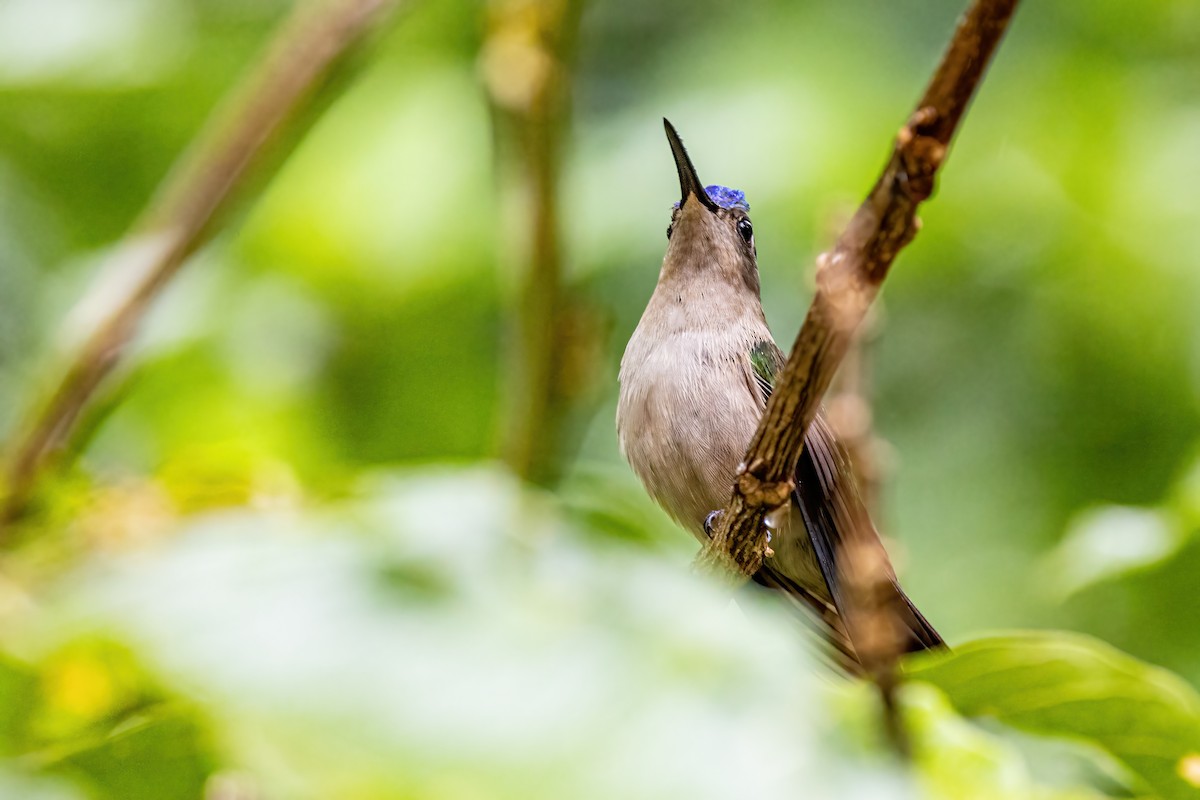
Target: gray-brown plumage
[{"x": 694, "y": 381}]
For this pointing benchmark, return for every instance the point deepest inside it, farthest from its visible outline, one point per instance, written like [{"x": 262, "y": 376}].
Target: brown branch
[
  {"x": 848, "y": 279},
  {"x": 316, "y": 39}
]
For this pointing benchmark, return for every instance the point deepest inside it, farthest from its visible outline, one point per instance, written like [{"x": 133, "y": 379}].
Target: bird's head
[{"x": 710, "y": 235}]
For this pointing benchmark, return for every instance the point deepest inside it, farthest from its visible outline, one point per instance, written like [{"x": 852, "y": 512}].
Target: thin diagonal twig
[
  {"x": 848, "y": 279},
  {"x": 182, "y": 216}
]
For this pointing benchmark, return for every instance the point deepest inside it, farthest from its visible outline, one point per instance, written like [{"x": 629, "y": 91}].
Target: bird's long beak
[{"x": 689, "y": 181}]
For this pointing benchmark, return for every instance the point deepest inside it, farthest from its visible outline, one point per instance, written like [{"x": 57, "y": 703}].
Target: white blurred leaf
[
  {"x": 17, "y": 784},
  {"x": 1107, "y": 542},
  {"x": 451, "y": 624}
]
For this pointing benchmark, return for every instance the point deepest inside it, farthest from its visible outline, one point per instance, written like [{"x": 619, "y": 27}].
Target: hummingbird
[{"x": 695, "y": 379}]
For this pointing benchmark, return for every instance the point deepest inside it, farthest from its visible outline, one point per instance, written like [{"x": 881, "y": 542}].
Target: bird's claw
[{"x": 712, "y": 518}]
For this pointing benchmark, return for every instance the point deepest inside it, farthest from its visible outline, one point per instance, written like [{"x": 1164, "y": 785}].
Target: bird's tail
[
  {"x": 866, "y": 599},
  {"x": 816, "y": 615},
  {"x": 921, "y": 635},
  {"x": 917, "y": 633}
]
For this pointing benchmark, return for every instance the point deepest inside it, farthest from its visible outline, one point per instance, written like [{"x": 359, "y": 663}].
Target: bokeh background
[{"x": 288, "y": 519}]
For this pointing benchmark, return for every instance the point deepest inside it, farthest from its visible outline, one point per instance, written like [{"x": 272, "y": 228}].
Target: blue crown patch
[{"x": 726, "y": 197}]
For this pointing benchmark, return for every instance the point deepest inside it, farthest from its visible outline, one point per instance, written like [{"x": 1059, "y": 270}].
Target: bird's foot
[{"x": 711, "y": 520}]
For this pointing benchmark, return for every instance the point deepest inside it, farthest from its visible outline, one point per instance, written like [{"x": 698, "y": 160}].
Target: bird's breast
[{"x": 685, "y": 417}]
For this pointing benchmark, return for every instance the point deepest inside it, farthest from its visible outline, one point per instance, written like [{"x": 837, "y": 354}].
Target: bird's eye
[
  {"x": 746, "y": 230},
  {"x": 669, "y": 228}
]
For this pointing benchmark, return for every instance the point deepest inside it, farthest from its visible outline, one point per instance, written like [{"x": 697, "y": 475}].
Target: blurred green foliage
[{"x": 226, "y": 597}]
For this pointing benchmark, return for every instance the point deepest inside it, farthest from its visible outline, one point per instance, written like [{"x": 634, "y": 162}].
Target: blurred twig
[
  {"x": 848, "y": 410},
  {"x": 848, "y": 279},
  {"x": 526, "y": 64},
  {"x": 317, "y": 38},
  {"x": 876, "y": 626}
]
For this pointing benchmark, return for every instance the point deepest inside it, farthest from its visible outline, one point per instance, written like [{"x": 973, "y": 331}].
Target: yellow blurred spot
[
  {"x": 80, "y": 686},
  {"x": 1189, "y": 768},
  {"x": 515, "y": 66},
  {"x": 224, "y": 474},
  {"x": 517, "y": 61}
]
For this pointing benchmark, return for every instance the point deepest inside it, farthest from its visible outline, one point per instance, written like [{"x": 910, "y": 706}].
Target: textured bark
[{"x": 848, "y": 279}]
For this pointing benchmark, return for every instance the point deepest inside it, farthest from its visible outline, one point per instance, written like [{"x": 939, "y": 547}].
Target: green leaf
[
  {"x": 956, "y": 759},
  {"x": 18, "y": 696},
  {"x": 161, "y": 755},
  {"x": 1073, "y": 686}
]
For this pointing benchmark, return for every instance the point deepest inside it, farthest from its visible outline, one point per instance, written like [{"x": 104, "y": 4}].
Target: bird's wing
[
  {"x": 766, "y": 361},
  {"x": 830, "y": 503}
]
